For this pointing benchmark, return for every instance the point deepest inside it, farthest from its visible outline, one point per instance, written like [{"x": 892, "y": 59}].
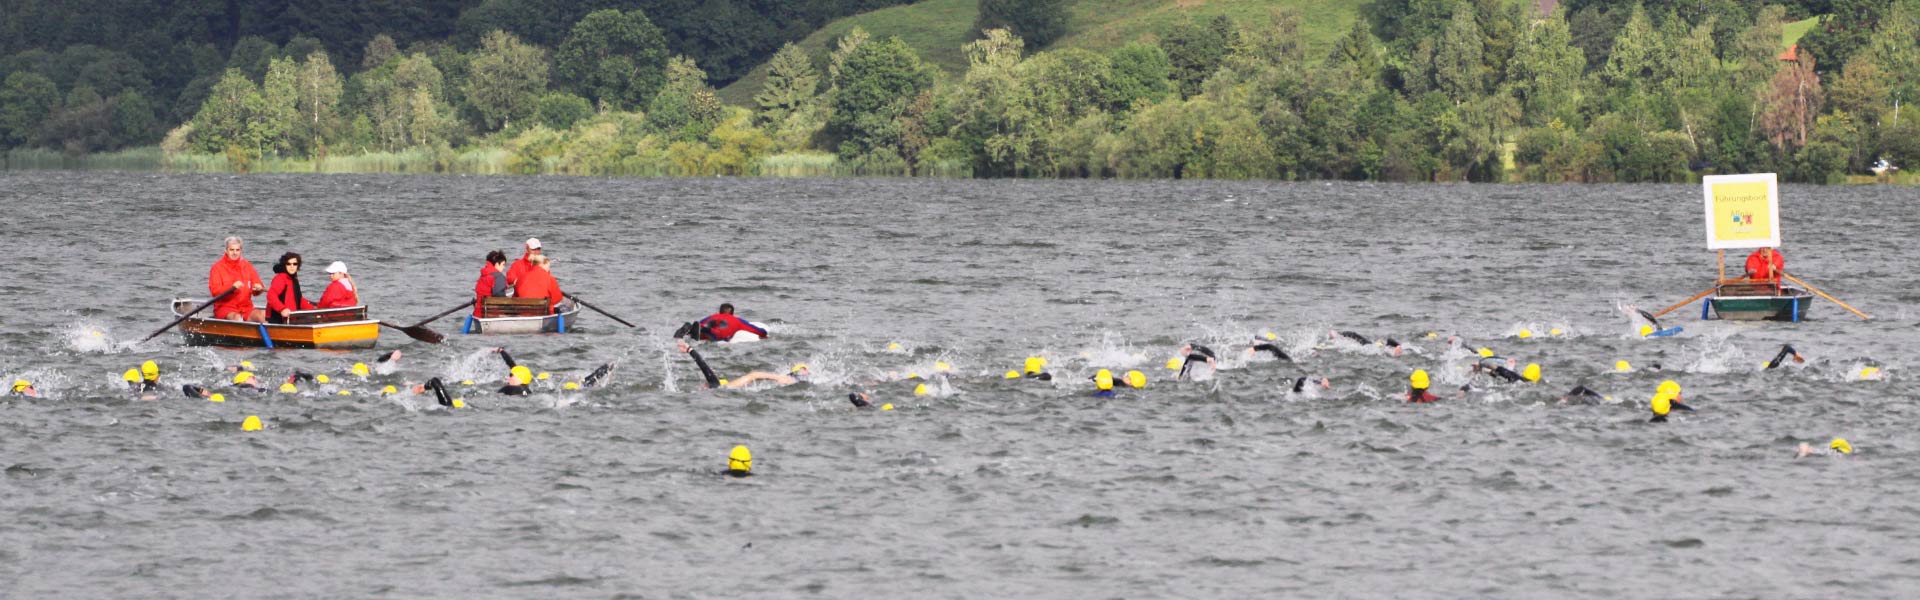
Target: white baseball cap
[
  {"x": 337, "y": 267},
  {"x": 533, "y": 243}
]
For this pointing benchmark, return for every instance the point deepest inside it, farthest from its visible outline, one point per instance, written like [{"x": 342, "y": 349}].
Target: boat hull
[
  {"x": 562, "y": 322},
  {"x": 1791, "y": 306},
  {"x": 353, "y": 334}
]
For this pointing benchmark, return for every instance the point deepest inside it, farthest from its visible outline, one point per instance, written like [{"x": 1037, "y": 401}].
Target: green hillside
[
  {"x": 1792, "y": 32},
  {"x": 937, "y": 28}
]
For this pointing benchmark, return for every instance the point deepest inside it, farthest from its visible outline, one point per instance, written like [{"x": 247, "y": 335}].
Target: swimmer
[
  {"x": 245, "y": 381},
  {"x": 1103, "y": 384},
  {"x": 1300, "y": 383},
  {"x": 519, "y": 378},
  {"x": 1497, "y": 366},
  {"x": 1417, "y": 385},
  {"x": 797, "y": 374},
  {"x": 1581, "y": 394},
  {"x": 194, "y": 391},
  {"x": 439, "y": 391},
  {"x": 1392, "y": 345},
  {"x": 24, "y": 388},
  {"x": 1838, "y": 447},
  {"x": 1786, "y": 350},
  {"x": 1666, "y": 399},
  {"x": 1193, "y": 352},
  {"x": 1260, "y": 345},
  {"x": 1036, "y": 369}
]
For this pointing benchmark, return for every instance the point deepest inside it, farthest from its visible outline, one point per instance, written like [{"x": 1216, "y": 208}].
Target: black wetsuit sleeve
[
  {"x": 1277, "y": 353},
  {"x": 713, "y": 381},
  {"x": 1785, "y": 351},
  {"x": 1208, "y": 352},
  {"x": 1356, "y": 337},
  {"x": 1507, "y": 374},
  {"x": 1299, "y": 384},
  {"x": 515, "y": 390},
  {"x": 439, "y": 392},
  {"x": 594, "y": 378},
  {"x": 509, "y": 358}
]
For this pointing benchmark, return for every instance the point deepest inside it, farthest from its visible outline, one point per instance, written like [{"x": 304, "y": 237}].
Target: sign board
[{"x": 1743, "y": 211}]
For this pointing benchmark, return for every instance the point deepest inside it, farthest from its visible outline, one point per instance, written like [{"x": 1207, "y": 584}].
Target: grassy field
[
  {"x": 937, "y": 28},
  {"x": 1794, "y": 30}
]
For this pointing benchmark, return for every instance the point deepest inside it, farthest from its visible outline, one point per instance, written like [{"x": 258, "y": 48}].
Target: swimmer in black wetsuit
[
  {"x": 1581, "y": 394},
  {"x": 1786, "y": 350},
  {"x": 1300, "y": 383},
  {"x": 519, "y": 378},
  {"x": 1265, "y": 346},
  {"x": 1392, "y": 345},
  {"x": 1193, "y": 352}
]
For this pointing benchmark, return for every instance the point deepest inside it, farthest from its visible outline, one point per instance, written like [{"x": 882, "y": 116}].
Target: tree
[
  {"x": 1634, "y": 62},
  {"x": 686, "y": 110},
  {"x": 1790, "y": 103},
  {"x": 318, "y": 102},
  {"x": 1459, "y": 66},
  {"x": 1039, "y": 22},
  {"x": 1140, "y": 74},
  {"x": 1544, "y": 74},
  {"x": 560, "y": 110},
  {"x": 874, "y": 86},
  {"x": 791, "y": 82},
  {"x": 279, "y": 115},
  {"x": 1358, "y": 51},
  {"x": 1843, "y": 30},
  {"x": 508, "y": 79},
  {"x": 26, "y": 99},
  {"x": 617, "y": 59},
  {"x": 225, "y": 119},
  {"x": 843, "y": 48},
  {"x": 1195, "y": 51},
  {"x": 379, "y": 51}
]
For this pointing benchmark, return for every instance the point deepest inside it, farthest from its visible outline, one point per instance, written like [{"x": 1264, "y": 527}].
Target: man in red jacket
[
  {"x": 526, "y": 262},
  {"x": 722, "y": 326},
  {"x": 1765, "y": 264},
  {"x": 233, "y": 272},
  {"x": 538, "y": 282}
]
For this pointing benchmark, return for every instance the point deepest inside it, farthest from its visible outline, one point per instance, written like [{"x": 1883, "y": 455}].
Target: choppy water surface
[{"x": 1228, "y": 487}]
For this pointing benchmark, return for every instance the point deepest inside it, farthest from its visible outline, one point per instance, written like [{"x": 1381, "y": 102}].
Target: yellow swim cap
[
  {"x": 150, "y": 370},
  {"x": 1841, "y": 445},
  {"x": 458, "y": 403},
  {"x": 1035, "y": 364},
  {"x": 246, "y": 364},
  {"x": 940, "y": 367},
  {"x": 1431, "y": 335},
  {"x": 886, "y": 406},
  {"x": 571, "y": 386},
  {"x": 1646, "y": 330},
  {"x": 1869, "y": 372},
  {"x": 21, "y": 385},
  {"x": 242, "y": 377},
  {"x": 920, "y": 390},
  {"x": 524, "y": 374},
  {"x": 1555, "y": 331},
  {"x": 1486, "y": 353},
  {"x": 287, "y": 388},
  {"x": 346, "y": 392},
  {"x": 389, "y": 390},
  {"x": 1668, "y": 388},
  {"x": 1013, "y": 374},
  {"x": 360, "y": 369},
  {"x": 543, "y": 376},
  {"x": 132, "y": 375},
  {"x": 322, "y": 378},
  {"x": 1173, "y": 364},
  {"x": 217, "y": 398},
  {"x": 1622, "y": 366},
  {"x": 723, "y": 381},
  {"x": 1419, "y": 380},
  {"x": 1271, "y": 336},
  {"x": 893, "y": 345},
  {"x": 466, "y": 382},
  {"x": 1103, "y": 380},
  {"x": 913, "y": 376},
  {"x": 1531, "y": 373},
  {"x": 740, "y": 459},
  {"x": 1524, "y": 334},
  {"x": 1662, "y": 404},
  {"x": 1136, "y": 379},
  {"x": 251, "y": 424}
]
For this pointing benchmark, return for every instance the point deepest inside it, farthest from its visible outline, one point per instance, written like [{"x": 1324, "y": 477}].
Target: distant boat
[
  {"x": 328, "y": 329},
  {"x": 1881, "y": 166},
  {"x": 521, "y": 316},
  {"x": 1741, "y": 300}
]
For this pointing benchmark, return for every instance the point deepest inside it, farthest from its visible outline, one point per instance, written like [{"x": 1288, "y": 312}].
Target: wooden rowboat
[
  {"x": 521, "y": 315},
  {"x": 332, "y": 329},
  {"x": 1757, "y": 302}
]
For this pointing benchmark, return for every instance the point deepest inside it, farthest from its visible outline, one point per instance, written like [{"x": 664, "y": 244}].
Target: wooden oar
[
  {"x": 1863, "y": 316},
  {"x": 437, "y": 317},
  {"x": 222, "y": 296},
  {"x": 1683, "y": 303},
  {"x": 597, "y": 309},
  {"x": 418, "y": 332}
]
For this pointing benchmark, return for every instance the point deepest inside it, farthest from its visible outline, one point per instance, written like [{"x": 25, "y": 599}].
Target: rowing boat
[
  {"x": 332, "y": 329},
  {"x": 520, "y": 316},
  {"x": 1757, "y": 302}
]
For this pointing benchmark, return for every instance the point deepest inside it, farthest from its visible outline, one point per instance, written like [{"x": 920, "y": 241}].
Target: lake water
[{"x": 1230, "y": 486}]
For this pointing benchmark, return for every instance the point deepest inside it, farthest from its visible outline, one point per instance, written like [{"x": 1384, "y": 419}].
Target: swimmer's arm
[
  {"x": 713, "y": 381},
  {"x": 747, "y": 379},
  {"x": 506, "y": 357}
]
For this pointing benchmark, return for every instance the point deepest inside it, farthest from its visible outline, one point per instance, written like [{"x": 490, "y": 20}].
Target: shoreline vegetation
[{"x": 1579, "y": 91}]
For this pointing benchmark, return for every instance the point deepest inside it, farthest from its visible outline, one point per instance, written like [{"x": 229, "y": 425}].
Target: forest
[{"x": 1415, "y": 90}]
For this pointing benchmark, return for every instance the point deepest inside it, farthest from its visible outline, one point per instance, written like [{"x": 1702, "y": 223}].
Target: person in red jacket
[
  {"x": 538, "y": 282},
  {"x": 723, "y": 325},
  {"x": 526, "y": 262},
  {"x": 233, "y": 272},
  {"x": 1765, "y": 264},
  {"x": 284, "y": 297},
  {"x": 341, "y": 293},
  {"x": 492, "y": 282}
]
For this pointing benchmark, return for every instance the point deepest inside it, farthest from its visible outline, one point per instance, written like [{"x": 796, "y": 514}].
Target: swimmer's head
[
  {"x": 799, "y": 370},
  {"x": 726, "y": 308},
  {"x": 1622, "y": 366},
  {"x": 131, "y": 376},
  {"x": 1013, "y": 374},
  {"x": 243, "y": 378},
  {"x": 1136, "y": 379},
  {"x": 521, "y": 375},
  {"x": 1173, "y": 364},
  {"x": 1668, "y": 388},
  {"x": 1531, "y": 373},
  {"x": 1486, "y": 353},
  {"x": 1524, "y": 334},
  {"x": 740, "y": 459},
  {"x": 150, "y": 370},
  {"x": 1419, "y": 380},
  {"x": 20, "y": 386},
  {"x": 1034, "y": 365},
  {"x": 1103, "y": 380},
  {"x": 1840, "y": 445},
  {"x": 1661, "y": 405},
  {"x": 1646, "y": 330},
  {"x": 360, "y": 369}
]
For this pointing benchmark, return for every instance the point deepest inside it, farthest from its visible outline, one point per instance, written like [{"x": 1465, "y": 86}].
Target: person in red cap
[
  {"x": 341, "y": 293},
  {"x": 520, "y": 266},
  {"x": 538, "y": 282},
  {"x": 233, "y": 272}
]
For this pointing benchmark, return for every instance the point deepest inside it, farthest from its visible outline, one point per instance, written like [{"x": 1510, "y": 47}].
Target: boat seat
[
  {"x": 495, "y": 307},
  {"x": 1750, "y": 289},
  {"x": 331, "y": 315}
]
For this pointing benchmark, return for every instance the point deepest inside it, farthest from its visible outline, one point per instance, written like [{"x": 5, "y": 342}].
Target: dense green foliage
[
  {"x": 1039, "y": 22},
  {"x": 1420, "y": 90}
]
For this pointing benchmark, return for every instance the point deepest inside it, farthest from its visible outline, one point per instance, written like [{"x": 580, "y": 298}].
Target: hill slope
[{"x": 937, "y": 28}]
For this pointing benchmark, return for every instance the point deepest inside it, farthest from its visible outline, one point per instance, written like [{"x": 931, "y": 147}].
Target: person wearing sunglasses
[
  {"x": 233, "y": 273},
  {"x": 284, "y": 296}
]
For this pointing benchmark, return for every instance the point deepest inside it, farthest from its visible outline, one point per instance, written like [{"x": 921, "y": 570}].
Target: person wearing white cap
[
  {"x": 520, "y": 266},
  {"x": 341, "y": 293}
]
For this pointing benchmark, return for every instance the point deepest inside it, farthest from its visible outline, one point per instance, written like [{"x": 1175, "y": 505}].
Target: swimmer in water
[
  {"x": 1584, "y": 395},
  {"x": 1300, "y": 383},
  {"x": 1260, "y": 345},
  {"x": 1103, "y": 384},
  {"x": 795, "y": 375},
  {"x": 24, "y": 389},
  {"x": 1417, "y": 385},
  {"x": 1193, "y": 352},
  {"x": 1392, "y": 345},
  {"x": 1786, "y": 350},
  {"x": 1837, "y": 447},
  {"x": 1497, "y": 366},
  {"x": 439, "y": 391},
  {"x": 519, "y": 378},
  {"x": 1665, "y": 400}
]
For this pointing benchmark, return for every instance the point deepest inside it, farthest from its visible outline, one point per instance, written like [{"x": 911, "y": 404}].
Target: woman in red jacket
[
  {"x": 341, "y": 293},
  {"x": 283, "y": 296}
]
